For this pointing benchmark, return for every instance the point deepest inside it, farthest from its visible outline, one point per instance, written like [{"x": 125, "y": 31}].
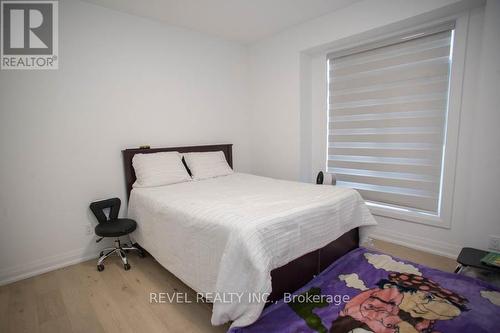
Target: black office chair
[{"x": 112, "y": 226}]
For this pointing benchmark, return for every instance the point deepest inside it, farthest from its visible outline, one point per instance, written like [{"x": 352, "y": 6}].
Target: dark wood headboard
[{"x": 128, "y": 154}]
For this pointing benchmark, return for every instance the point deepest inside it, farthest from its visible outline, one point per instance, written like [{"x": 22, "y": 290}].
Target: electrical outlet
[
  {"x": 494, "y": 243},
  {"x": 89, "y": 230}
]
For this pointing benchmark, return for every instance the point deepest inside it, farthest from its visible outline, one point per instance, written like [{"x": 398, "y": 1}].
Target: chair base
[{"x": 120, "y": 251}]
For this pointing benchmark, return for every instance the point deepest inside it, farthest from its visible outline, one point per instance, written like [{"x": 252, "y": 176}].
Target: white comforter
[{"x": 226, "y": 234}]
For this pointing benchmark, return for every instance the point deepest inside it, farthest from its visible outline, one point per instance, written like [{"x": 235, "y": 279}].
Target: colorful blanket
[{"x": 366, "y": 291}]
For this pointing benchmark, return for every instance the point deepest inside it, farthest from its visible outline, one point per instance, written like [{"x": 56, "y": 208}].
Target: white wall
[
  {"x": 283, "y": 90},
  {"x": 123, "y": 81}
]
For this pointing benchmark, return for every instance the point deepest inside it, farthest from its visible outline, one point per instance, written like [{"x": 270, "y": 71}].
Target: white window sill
[{"x": 409, "y": 215}]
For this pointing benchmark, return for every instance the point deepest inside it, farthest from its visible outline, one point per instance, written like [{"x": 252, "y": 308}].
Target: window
[{"x": 387, "y": 122}]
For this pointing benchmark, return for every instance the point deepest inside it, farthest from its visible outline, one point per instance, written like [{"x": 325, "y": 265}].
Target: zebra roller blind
[{"x": 387, "y": 120}]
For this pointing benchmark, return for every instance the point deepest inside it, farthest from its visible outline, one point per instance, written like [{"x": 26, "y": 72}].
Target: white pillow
[
  {"x": 207, "y": 165},
  {"x": 157, "y": 169}
]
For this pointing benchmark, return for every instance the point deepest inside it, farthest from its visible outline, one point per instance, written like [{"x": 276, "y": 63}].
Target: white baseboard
[
  {"x": 416, "y": 242},
  {"x": 26, "y": 270}
]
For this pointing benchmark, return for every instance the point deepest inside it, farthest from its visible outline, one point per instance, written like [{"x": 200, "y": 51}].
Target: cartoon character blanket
[{"x": 366, "y": 291}]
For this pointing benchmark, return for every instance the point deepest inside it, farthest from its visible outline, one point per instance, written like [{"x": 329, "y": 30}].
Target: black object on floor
[
  {"x": 470, "y": 257},
  {"x": 112, "y": 226}
]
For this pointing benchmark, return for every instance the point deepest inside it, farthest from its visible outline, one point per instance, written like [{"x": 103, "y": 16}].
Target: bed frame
[{"x": 287, "y": 278}]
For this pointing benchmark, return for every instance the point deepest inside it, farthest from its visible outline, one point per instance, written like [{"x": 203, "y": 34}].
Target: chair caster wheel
[
  {"x": 126, "y": 267},
  {"x": 100, "y": 268}
]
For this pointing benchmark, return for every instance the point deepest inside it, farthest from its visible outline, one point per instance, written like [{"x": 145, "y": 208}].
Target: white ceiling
[{"x": 238, "y": 20}]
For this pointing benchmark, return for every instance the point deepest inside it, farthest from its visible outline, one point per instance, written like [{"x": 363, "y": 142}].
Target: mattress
[{"x": 223, "y": 236}]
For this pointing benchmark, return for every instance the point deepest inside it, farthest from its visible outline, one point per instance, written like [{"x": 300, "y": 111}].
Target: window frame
[{"x": 444, "y": 216}]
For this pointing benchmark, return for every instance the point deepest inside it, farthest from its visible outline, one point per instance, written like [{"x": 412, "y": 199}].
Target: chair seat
[{"x": 115, "y": 228}]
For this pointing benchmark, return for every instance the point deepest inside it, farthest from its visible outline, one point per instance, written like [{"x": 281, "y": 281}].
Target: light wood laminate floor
[{"x": 80, "y": 299}]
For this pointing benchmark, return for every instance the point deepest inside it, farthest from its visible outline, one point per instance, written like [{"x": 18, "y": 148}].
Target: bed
[{"x": 242, "y": 234}]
